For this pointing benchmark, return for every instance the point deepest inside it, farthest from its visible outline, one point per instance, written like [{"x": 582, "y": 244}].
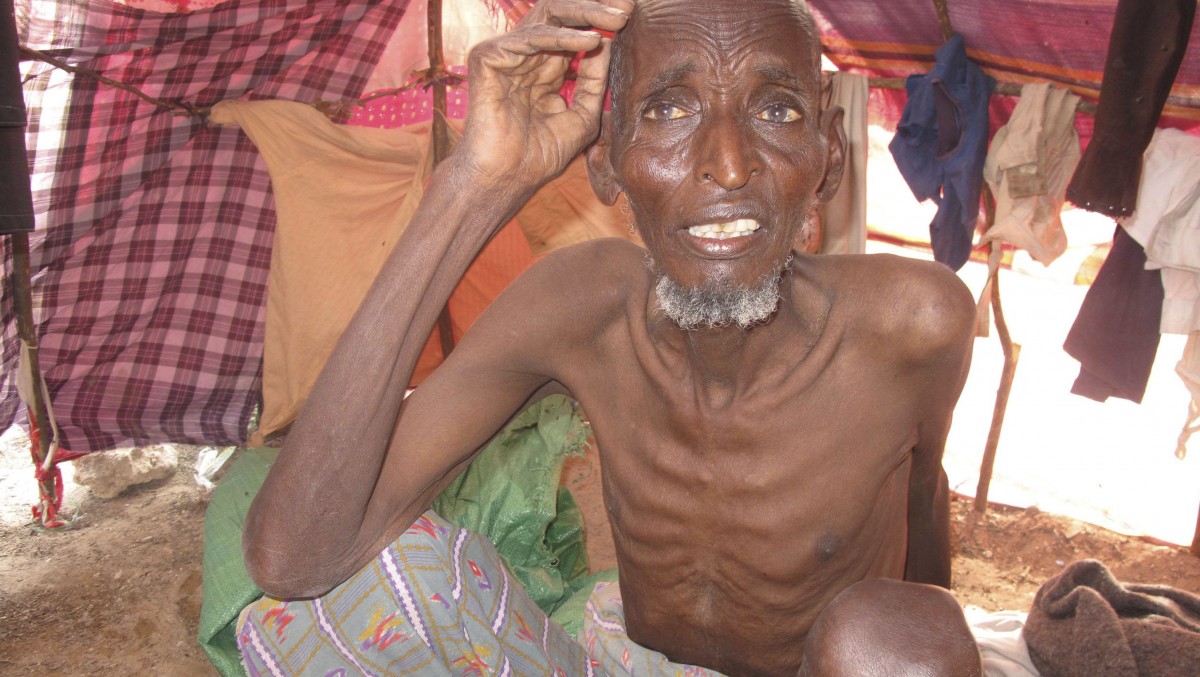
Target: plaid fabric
[{"x": 154, "y": 230}]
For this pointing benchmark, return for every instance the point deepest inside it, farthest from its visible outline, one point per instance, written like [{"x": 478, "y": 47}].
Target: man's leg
[{"x": 887, "y": 628}]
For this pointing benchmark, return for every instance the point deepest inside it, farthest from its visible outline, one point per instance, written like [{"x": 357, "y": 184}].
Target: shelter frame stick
[
  {"x": 1196, "y": 538},
  {"x": 41, "y": 444},
  {"x": 943, "y": 15},
  {"x": 441, "y": 139},
  {"x": 1012, "y": 352}
]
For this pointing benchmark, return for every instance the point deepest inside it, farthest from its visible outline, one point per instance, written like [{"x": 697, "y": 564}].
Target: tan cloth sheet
[
  {"x": 1028, "y": 167},
  {"x": 844, "y": 218},
  {"x": 344, "y": 194}
]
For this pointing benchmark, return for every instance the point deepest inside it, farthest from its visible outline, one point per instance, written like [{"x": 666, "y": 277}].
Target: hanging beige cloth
[
  {"x": 343, "y": 196},
  {"x": 1029, "y": 164},
  {"x": 843, "y": 227}
]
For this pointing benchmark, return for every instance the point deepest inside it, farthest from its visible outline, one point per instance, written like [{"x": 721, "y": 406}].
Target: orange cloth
[{"x": 566, "y": 212}]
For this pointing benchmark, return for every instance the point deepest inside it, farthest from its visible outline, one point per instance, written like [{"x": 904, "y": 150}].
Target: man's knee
[{"x": 886, "y": 627}]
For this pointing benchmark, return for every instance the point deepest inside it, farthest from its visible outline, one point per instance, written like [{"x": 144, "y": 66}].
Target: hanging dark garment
[
  {"x": 1116, "y": 335},
  {"x": 940, "y": 146},
  {"x": 1147, "y": 45},
  {"x": 16, "y": 201}
]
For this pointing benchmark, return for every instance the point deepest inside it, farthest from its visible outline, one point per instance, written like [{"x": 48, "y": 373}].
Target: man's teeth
[{"x": 725, "y": 231}]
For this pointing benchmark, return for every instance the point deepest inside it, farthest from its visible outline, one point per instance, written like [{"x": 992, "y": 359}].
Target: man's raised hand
[{"x": 520, "y": 132}]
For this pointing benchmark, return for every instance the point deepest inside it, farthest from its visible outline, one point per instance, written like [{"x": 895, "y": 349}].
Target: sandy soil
[
  {"x": 119, "y": 592},
  {"x": 116, "y": 592}
]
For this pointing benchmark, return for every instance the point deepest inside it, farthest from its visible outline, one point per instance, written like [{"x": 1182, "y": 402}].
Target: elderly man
[{"x": 770, "y": 423}]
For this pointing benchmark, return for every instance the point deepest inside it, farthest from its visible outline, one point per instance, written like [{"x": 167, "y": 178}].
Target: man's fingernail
[{"x": 614, "y": 10}]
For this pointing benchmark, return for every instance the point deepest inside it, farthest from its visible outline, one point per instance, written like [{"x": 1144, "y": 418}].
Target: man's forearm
[{"x": 309, "y": 515}]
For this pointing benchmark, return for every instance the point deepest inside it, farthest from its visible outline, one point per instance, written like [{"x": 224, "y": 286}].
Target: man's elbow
[{"x": 284, "y": 577}]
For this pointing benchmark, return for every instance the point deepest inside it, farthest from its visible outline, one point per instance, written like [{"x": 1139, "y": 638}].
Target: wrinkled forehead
[
  {"x": 661, "y": 32},
  {"x": 730, "y": 18}
]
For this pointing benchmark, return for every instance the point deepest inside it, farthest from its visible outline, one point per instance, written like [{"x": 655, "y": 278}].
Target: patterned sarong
[{"x": 439, "y": 601}]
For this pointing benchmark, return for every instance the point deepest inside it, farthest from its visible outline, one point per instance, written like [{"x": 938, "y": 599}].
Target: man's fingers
[
  {"x": 554, "y": 26},
  {"x": 591, "y": 79},
  {"x": 609, "y": 15},
  {"x": 534, "y": 39},
  {"x": 625, "y": 6}
]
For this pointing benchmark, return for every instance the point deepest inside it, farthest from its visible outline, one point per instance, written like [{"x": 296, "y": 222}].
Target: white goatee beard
[{"x": 718, "y": 304}]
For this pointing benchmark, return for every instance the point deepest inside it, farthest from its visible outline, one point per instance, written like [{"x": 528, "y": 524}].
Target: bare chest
[
  {"x": 735, "y": 525},
  {"x": 798, "y": 443}
]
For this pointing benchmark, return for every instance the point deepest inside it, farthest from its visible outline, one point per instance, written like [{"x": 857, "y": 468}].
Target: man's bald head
[{"x": 619, "y": 69}]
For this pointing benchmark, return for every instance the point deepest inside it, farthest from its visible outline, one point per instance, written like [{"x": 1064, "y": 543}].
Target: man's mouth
[{"x": 724, "y": 231}]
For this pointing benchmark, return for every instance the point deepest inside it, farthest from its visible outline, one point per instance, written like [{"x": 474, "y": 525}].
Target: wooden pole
[
  {"x": 1196, "y": 538},
  {"x": 23, "y": 308},
  {"x": 943, "y": 15},
  {"x": 1012, "y": 353},
  {"x": 441, "y": 137}
]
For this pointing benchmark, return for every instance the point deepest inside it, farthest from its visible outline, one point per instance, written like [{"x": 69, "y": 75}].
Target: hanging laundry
[
  {"x": 1145, "y": 50},
  {"x": 1028, "y": 166},
  {"x": 940, "y": 146},
  {"x": 844, "y": 217},
  {"x": 1115, "y": 337},
  {"x": 1167, "y": 224},
  {"x": 1170, "y": 199},
  {"x": 16, "y": 199}
]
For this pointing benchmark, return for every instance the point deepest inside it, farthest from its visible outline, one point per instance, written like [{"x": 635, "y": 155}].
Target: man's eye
[
  {"x": 779, "y": 113},
  {"x": 665, "y": 111}
]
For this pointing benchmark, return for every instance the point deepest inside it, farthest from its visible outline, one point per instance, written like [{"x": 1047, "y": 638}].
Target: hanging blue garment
[{"x": 941, "y": 143}]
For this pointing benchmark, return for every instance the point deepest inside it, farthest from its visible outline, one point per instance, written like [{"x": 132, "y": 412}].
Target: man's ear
[
  {"x": 600, "y": 169},
  {"x": 835, "y": 159}
]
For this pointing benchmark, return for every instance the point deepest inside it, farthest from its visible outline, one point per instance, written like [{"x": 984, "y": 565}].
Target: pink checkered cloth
[{"x": 154, "y": 230}]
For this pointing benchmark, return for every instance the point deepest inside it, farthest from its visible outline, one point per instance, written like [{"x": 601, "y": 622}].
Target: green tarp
[{"x": 510, "y": 493}]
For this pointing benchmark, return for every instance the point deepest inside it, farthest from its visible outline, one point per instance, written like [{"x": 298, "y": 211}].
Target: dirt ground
[{"x": 119, "y": 591}]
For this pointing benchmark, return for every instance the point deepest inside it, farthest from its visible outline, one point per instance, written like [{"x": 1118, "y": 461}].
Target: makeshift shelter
[{"x": 156, "y": 229}]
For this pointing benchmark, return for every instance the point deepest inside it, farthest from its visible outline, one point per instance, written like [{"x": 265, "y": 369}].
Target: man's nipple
[{"x": 828, "y": 547}]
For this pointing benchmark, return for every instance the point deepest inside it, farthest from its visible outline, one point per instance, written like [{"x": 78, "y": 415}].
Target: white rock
[{"x": 108, "y": 473}]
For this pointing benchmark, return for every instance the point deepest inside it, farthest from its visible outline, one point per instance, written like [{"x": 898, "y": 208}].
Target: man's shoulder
[
  {"x": 584, "y": 282},
  {"x": 918, "y": 304},
  {"x": 601, "y": 258}
]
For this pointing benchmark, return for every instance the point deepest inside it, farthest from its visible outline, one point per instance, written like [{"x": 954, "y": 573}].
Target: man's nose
[{"x": 725, "y": 155}]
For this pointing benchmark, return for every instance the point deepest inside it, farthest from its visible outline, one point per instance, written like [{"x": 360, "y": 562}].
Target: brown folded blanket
[{"x": 1084, "y": 622}]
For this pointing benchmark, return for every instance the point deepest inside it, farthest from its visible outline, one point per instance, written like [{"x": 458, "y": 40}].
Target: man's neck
[{"x": 725, "y": 361}]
